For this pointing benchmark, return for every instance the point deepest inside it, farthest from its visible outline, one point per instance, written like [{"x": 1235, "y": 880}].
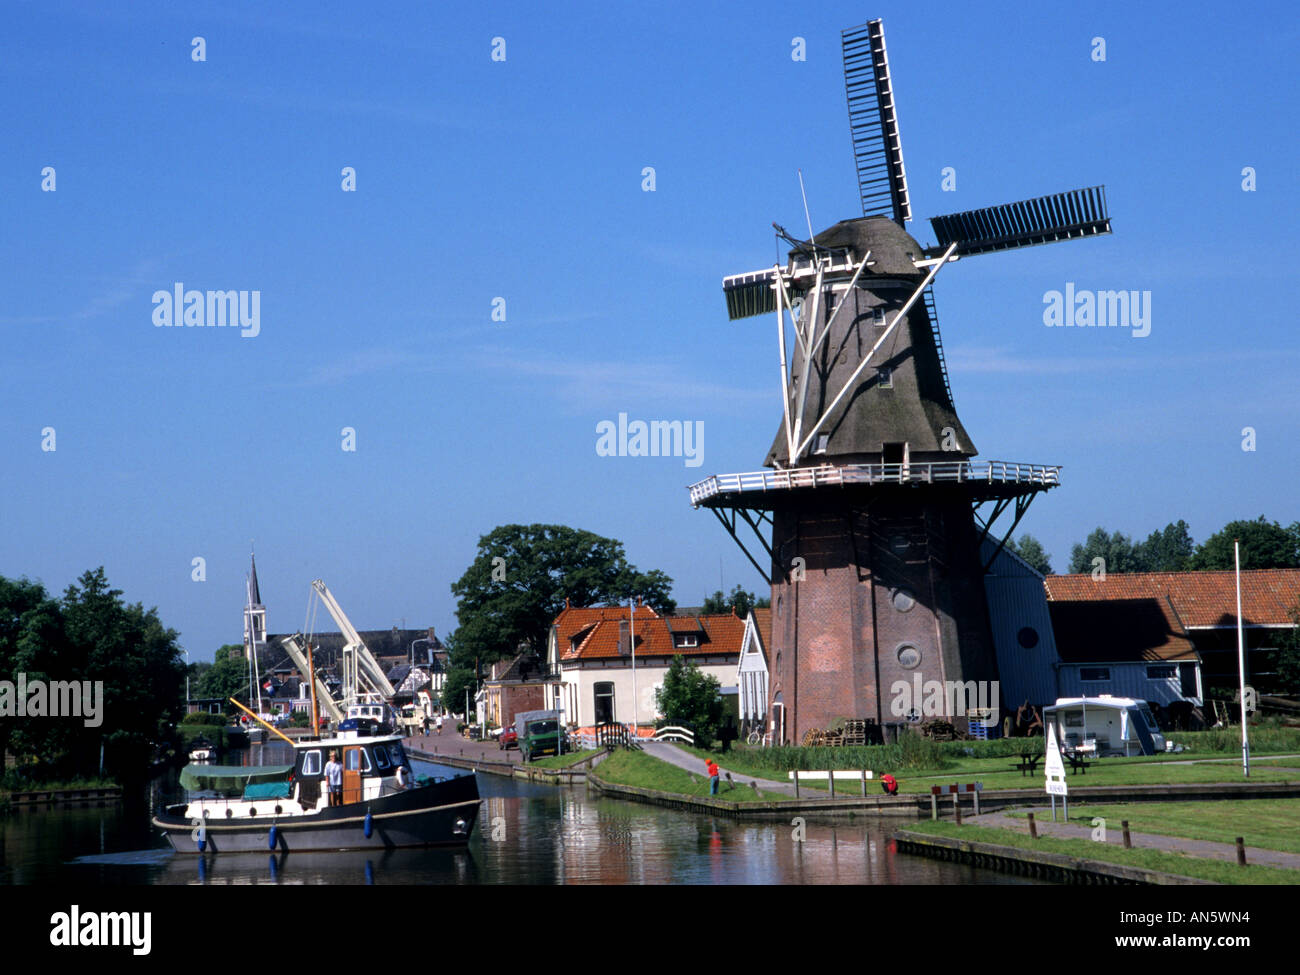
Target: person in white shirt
[{"x": 334, "y": 779}]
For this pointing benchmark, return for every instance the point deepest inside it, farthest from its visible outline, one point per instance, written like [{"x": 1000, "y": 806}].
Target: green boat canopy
[{"x": 197, "y": 777}]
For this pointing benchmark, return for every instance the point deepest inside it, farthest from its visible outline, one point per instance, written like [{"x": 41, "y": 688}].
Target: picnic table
[{"x": 1028, "y": 763}]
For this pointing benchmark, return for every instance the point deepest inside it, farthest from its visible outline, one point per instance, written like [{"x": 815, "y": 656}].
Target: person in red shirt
[
  {"x": 712, "y": 769},
  {"x": 889, "y": 784}
]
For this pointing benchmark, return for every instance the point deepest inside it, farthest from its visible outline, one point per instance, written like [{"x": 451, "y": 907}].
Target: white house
[{"x": 612, "y": 661}]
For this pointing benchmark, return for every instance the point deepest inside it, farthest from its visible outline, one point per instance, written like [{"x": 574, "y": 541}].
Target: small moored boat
[{"x": 282, "y": 808}]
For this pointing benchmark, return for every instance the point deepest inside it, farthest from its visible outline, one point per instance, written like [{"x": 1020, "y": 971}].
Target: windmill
[{"x": 871, "y": 514}]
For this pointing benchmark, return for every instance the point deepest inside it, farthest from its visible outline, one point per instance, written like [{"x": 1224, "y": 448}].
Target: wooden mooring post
[
  {"x": 796, "y": 783},
  {"x": 1128, "y": 840},
  {"x": 956, "y": 808},
  {"x": 1241, "y": 851},
  {"x": 1033, "y": 827},
  {"x": 864, "y": 783}
]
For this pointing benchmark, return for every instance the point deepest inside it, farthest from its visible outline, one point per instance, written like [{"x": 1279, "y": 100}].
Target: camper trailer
[{"x": 1105, "y": 725}]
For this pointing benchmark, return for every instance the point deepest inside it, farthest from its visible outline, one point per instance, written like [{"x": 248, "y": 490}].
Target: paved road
[{"x": 1151, "y": 841}]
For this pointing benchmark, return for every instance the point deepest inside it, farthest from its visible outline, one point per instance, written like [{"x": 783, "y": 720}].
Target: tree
[
  {"x": 1031, "y": 550},
  {"x": 1264, "y": 545},
  {"x": 140, "y": 664},
  {"x": 740, "y": 600},
  {"x": 32, "y": 642},
  {"x": 1116, "y": 550},
  {"x": 1168, "y": 550},
  {"x": 458, "y": 681},
  {"x": 521, "y": 578},
  {"x": 227, "y": 677},
  {"x": 692, "y": 699}
]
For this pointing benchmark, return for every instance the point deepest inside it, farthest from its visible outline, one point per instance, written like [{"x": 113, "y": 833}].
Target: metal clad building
[{"x": 1022, "y": 630}]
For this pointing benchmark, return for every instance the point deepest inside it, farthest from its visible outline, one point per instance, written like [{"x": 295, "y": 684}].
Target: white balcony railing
[{"x": 951, "y": 472}]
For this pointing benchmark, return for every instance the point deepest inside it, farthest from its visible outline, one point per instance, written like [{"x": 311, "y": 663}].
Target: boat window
[
  {"x": 395, "y": 753},
  {"x": 381, "y": 757},
  {"x": 311, "y": 762},
  {"x": 355, "y": 759}
]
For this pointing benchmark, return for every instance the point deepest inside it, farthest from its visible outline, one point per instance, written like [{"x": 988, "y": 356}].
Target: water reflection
[{"x": 526, "y": 834}]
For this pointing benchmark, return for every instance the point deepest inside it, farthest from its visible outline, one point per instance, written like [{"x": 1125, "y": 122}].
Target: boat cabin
[
  {"x": 370, "y": 767},
  {"x": 373, "y": 766}
]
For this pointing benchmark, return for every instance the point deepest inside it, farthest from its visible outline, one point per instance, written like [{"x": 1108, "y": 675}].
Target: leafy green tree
[
  {"x": 692, "y": 699},
  {"x": 140, "y": 663},
  {"x": 32, "y": 642},
  {"x": 521, "y": 577},
  {"x": 741, "y": 600},
  {"x": 1116, "y": 550},
  {"x": 458, "y": 681},
  {"x": 1167, "y": 550},
  {"x": 1031, "y": 550},
  {"x": 1264, "y": 545},
  {"x": 227, "y": 677}
]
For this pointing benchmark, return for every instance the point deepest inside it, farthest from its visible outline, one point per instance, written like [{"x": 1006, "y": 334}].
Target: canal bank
[
  {"x": 484, "y": 758},
  {"x": 1058, "y": 868}
]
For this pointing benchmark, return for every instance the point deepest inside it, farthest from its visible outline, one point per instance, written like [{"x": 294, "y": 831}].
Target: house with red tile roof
[
  {"x": 1205, "y": 606},
  {"x": 611, "y": 660}
]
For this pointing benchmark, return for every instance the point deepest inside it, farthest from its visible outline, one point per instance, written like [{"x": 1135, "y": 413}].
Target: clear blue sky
[{"x": 522, "y": 179}]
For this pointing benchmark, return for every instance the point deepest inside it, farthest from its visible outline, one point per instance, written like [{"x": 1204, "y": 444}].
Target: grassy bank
[
  {"x": 1177, "y": 863},
  {"x": 625, "y": 767},
  {"x": 918, "y": 764},
  {"x": 1267, "y": 824}
]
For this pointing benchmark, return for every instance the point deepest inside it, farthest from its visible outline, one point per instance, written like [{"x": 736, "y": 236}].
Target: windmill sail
[
  {"x": 1043, "y": 220},
  {"x": 873, "y": 122}
]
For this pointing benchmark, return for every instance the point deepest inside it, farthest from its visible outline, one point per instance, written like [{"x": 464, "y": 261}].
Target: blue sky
[{"x": 522, "y": 179}]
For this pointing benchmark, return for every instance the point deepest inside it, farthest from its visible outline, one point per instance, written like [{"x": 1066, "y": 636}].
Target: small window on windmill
[
  {"x": 885, "y": 377},
  {"x": 823, "y": 441},
  {"x": 878, "y": 316}
]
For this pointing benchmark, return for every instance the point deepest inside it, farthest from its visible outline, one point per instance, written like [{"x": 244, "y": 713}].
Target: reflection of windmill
[{"x": 875, "y": 507}]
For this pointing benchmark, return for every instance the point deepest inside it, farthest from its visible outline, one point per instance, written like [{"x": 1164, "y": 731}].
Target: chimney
[{"x": 624, "y": 641}]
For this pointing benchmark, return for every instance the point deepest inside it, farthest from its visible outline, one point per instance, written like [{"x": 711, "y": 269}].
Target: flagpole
[
  {"x": 631, "y": 603},
  {"x": 1241, "y": 664}
]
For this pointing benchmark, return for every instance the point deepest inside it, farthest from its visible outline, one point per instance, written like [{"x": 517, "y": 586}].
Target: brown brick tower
[{"x": 872, "y": 510}]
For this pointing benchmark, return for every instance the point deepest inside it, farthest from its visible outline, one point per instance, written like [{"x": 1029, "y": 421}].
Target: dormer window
[{"x": 686, "y": 640}]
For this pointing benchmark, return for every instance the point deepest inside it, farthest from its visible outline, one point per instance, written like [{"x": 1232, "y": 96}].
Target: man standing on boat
[{"x": 334, "y": 779}]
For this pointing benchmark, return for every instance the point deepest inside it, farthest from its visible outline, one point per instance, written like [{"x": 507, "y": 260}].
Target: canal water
[{"x": 526, "y": 834}]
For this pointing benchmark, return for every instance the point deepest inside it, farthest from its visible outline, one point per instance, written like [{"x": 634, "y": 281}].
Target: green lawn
[
  {"x": 999, "y": 773},
  {"x": 1269, "y": 824},
  {"x": 1187, "y": 866},
  {"x": 565, "y": 760},
  {"x": 626, "y": 767},
  {"x": 1103, "y": 773}
]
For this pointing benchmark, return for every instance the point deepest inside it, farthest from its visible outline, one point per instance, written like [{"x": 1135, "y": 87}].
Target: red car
[{"x": 509, "y": 738}]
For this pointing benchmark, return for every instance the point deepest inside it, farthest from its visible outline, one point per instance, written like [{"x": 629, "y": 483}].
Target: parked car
[{"x": 509, "y": 738}]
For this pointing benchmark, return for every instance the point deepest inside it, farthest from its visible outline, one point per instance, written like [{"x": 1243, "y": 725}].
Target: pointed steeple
[{"x": 254, "y": 594}]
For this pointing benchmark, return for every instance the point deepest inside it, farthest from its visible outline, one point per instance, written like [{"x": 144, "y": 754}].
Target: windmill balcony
[{"x": 992, "y": 472}]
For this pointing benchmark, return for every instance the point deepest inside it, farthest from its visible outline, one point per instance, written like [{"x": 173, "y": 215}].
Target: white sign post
[{"x": 1055, "y": 771}]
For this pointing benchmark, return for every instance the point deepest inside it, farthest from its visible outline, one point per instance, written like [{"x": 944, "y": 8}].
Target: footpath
[{"x": 1147, "y": 841}]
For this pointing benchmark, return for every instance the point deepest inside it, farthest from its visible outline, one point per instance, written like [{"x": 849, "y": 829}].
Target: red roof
[
  {"x": 599, "y": 637},
  {"x": 1199, "y": 598},
  {"x": 573, "y": 619},
  {"x": 1118, "y": 630},
  {"x": 763, "y": 617}
]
